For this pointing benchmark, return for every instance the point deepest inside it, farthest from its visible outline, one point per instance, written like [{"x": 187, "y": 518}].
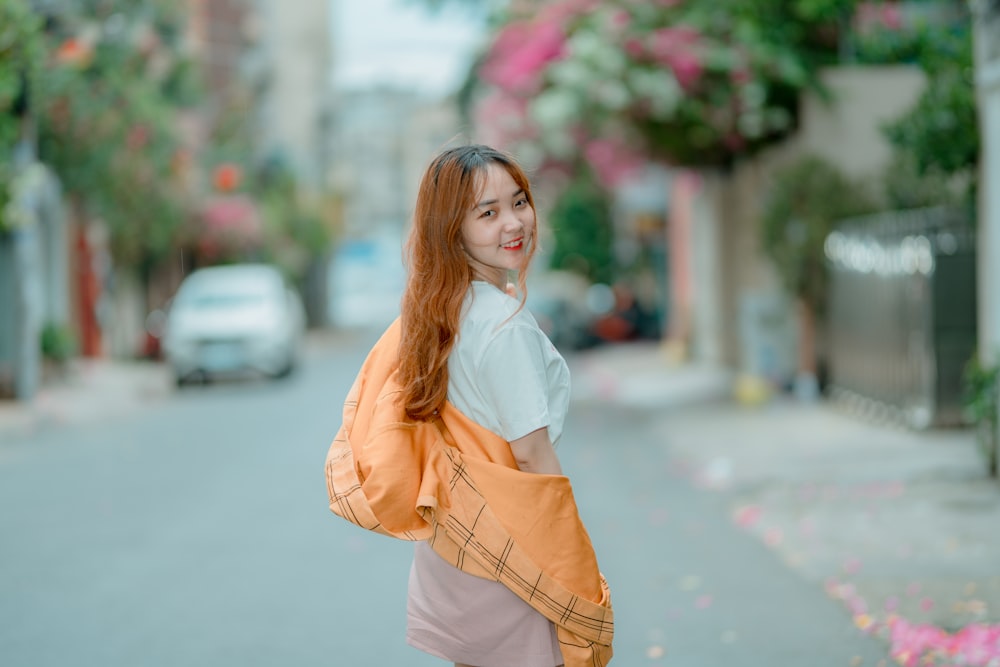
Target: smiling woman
[{"x": 449, "y": 437}]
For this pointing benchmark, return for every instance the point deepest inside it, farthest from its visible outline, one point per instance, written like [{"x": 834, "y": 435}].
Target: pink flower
[
  {"x": 620, "y": 20},
  {"x": 909, "y": 642},
  {"x": 874, "y": 15},
  {"x": 892, "y": 16},
  {"x": 564, "y": 10},
  {"x": 857, "y": 605},
  {"x": 687, "y": 68},
  {"x": 975, "y": 645},
  {"x": 502, "y": 120},
  {"x": 741, "y": 75},
  {"x": 521, "y": 52},
  {"x": 611, "y": 160},
  {"x": 633, "y": 48},
  {"x": 665, "y": 42},
  {"x": 747, "y": 515},
  {"x": 677, "y": 49},
  {"x": 137, "y": 137},
  {"x": 236, "y": 215}
]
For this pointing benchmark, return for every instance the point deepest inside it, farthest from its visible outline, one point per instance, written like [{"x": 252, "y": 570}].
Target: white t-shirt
[
  {"x": 503, "y": 371},
  {"x": 505, "y": 375}
]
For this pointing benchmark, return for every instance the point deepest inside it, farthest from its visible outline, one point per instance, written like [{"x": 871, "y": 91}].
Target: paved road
[
  {"x": 195, "y": 532},
  {"x": 686, "y": 582}
]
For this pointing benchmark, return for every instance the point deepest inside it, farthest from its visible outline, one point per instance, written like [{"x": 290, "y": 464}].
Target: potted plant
[
  {"x": 58, "y": 346},
  {"x": 981, "y": 383}
]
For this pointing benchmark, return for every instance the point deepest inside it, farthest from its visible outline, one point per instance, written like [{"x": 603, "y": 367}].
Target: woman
[
  {"x": 467, "y": 340},
  {"x": 448, "y": 438}
]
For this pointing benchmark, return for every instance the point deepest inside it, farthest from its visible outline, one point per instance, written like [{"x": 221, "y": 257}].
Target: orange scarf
[{"x": 456, "y": 484}]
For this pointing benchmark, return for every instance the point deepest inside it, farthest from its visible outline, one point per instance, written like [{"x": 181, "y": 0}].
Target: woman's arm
[{"x": 535, "y": 453}]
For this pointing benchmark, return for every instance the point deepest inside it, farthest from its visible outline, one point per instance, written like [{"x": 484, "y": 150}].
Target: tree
[
  {"x": 941, "y": 132},
  {"x": 107, "y": 120},
  {"x": 583, "y": 230},
  {"x": 804, "y": 203},
  {"x": 296, "y": 232},
  {"x": 20, "y": 57}
]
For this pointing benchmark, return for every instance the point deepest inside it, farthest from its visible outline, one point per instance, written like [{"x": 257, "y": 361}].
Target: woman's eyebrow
[{"x": 490, "y": 202}]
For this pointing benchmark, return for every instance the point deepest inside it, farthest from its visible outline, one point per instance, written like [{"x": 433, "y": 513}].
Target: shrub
[{"x": 58, "y": 342}]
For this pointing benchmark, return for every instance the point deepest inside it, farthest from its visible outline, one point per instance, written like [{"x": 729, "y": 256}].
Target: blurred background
[
  {"x": 691, "y": 166},
  {"x": 766, "y": 203}
]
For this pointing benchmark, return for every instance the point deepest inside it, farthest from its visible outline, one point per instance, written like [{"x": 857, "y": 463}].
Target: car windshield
[
  {"x": 224, "y": 291},
  {"x": 215, "y": 300}
]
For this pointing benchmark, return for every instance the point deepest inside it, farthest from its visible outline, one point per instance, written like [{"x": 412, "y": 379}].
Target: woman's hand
[{"x": 535, "y": 453}]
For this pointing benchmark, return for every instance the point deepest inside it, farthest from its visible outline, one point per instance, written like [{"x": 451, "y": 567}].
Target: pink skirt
[{"x": 461, "y": 618}]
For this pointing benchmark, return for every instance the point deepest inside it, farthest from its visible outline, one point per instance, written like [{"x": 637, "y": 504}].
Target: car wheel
[
  {"x": 285, "y": 370},
  {"x": 197, "y": 377}
]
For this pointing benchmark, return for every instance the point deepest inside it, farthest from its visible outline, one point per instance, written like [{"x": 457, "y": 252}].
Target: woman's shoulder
[{"x": 491, "y": 310}]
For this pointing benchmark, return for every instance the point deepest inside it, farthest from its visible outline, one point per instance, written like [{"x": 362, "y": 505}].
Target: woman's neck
[{"x": 499, "y": 280}]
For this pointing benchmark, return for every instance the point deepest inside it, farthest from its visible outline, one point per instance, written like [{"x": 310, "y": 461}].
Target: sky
[{"x": 402, "y": 42}]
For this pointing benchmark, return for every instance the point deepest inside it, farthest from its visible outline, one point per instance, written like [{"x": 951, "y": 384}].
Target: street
[
  {"x": 765, "y": 235},
  {"x": 196, "y": 532}
]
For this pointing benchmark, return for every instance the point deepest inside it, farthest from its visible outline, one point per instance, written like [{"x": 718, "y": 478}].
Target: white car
[{"x": 232, "y": 319}]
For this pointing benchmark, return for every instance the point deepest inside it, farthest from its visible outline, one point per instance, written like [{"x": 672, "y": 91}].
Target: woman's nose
[{"x": 511, "y": 221}]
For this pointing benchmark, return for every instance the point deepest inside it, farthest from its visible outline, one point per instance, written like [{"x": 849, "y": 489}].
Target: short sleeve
[{"x": 512, "y": 377}]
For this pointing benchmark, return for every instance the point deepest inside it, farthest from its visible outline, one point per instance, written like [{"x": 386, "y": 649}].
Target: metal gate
[{"x": 902, "y": 314}]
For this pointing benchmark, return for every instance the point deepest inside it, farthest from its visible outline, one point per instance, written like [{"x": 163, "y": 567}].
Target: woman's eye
[
  {"x": 488, "y": 214},
  {"x": 521, "y": 202}
]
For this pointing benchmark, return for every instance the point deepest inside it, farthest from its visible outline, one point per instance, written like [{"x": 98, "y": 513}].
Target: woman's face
[{"x": 498, "y": 230}]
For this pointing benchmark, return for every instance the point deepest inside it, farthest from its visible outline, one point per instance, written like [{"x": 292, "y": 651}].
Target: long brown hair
[{"x": 440, "y": 273}]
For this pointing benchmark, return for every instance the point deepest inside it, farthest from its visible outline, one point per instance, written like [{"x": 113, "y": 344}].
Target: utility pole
[{"x": 986, "y": 17}]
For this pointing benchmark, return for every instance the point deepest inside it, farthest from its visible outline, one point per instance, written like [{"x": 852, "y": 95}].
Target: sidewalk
[
  {"x": 90, "y": 390},
  {"x": 903, "y": 527}
]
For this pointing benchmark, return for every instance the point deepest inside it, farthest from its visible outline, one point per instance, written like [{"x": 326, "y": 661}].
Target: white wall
[{"x": 847, "y": 131}]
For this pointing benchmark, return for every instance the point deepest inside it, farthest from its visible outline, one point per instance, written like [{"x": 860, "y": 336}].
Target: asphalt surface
[{"x": 145, "y": 526}]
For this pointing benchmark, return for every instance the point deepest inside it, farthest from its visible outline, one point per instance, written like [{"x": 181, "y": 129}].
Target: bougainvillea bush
[{"x": 617, "y": 82}]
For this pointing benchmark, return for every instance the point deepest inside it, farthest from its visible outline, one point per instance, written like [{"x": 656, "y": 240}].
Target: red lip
[{"x": 519, "y": 243}]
